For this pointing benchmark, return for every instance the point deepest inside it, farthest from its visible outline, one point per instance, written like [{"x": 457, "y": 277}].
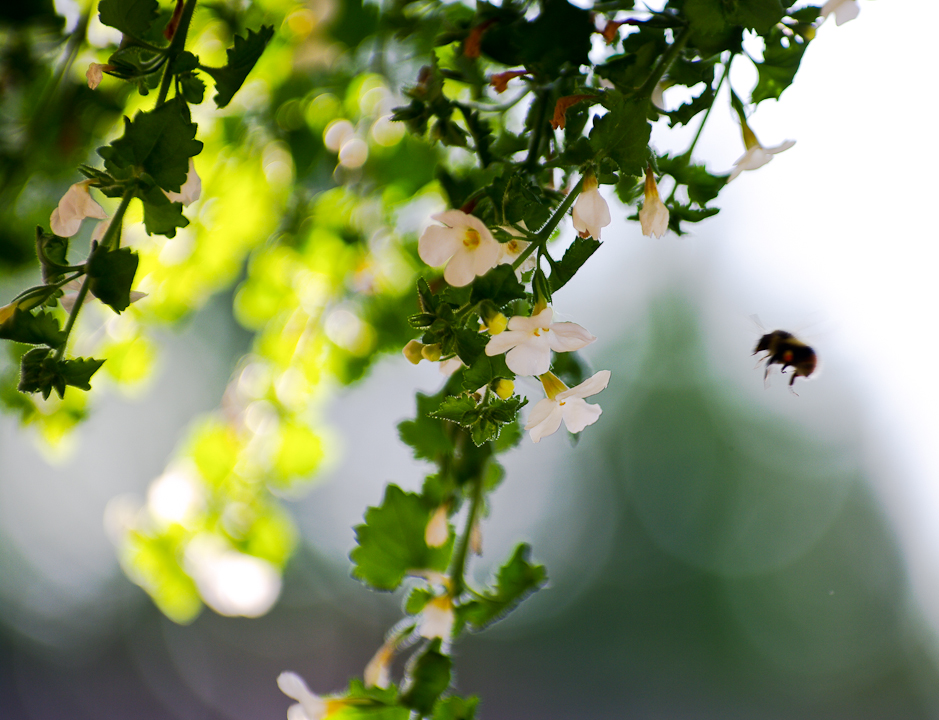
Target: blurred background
[{"x": 715, "y": 548}]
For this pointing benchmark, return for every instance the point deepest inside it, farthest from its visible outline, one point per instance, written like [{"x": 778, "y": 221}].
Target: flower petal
[
  {"x": 544, "y": 420},
  {"x": 438, "y": 244},
  {"x": 578, "y": 414},
  {"x": 486, "y": 256},
  {"x": 532, "y": 357},
  {"x": 505, "y": 341},
  {"x": 590, "y": 386},
  {"x": 459, "y": 270},
  {"x": 568, "y": 336},
  {"x": 292, "y": 685}
]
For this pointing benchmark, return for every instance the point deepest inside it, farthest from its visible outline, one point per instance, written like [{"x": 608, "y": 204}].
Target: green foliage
[
  {"x": 131, "y": 17},
  {"x": 40, "y": 328},
  {"x": 241, "y": 60},
  {"x": 426, "y": 435},
  {"x": 623, "y": 133},
  {"x": 515, "y": 580},
  {"x": 391, "y": 541},
  {"x": 430, "y": 677},
  {"x": 41, "y": 373},
  {"x": 111, "y": 275},
  {"x": 574, "y": 258},
  {"x": 781, "y": 59}
]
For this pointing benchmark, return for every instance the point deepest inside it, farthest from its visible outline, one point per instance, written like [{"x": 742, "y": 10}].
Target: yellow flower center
[
  {"x": 471, "y": 239},
  {"x": 512, "y": 247}
]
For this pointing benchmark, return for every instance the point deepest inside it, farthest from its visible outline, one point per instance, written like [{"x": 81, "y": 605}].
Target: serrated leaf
[
  {"x": 391, "y": 541},
  {"x": 779, "y": 67},
  {"x": 111, "y": 275},
  {"x": 484, "y": 371},
  {"x": 574, "y": 257},
  {"x": 515, "y": 580},
  {"x": 158, "y": 142},
  {"x": 77, "y": 372},
  {"x": 52, "y": 251},
  {"x": 623, "y": 134},
  {"x": 131, "y": 17},
  {"x": 41, "y": 328},
  {"x": 193, "y": 88},
  {"x": 161, "y": 216},
  {"x": 456, "y": 409},
  {"x": 424, "y": 434},
  {"x": 469, "y": 345},
  {"x": 41, "y": 372},
  {"x": 429, "y": 678},
  {"x": 500, "y": 285},
  {"x": 242, "y": 58},
  {"x": 702, "y": 185},
  {"x": 758, "y": 15}
]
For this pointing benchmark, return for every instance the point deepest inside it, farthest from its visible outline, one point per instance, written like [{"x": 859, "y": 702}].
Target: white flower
[
  {"x": 74, "y": 207},
  {"x": 591, "y": 213},
  {"x": 191, "y": 189},
  {"x": 436, "y": 619},
  {"x": 844, "y": 10},
  {"x": 378, "y": 671},
  {"x": 756, "y": 155},
  {"x": 510, "y": 251},
  {"x": 530, "y": 340},
  {"x": 567, "y": 405},
  {"x": 310, "y": 705},
  {"x": 654, "y": 215},
  {"x": 465, "y": 241}
]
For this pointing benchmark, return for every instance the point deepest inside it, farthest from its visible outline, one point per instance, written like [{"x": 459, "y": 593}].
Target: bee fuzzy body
[{"x": 783, "y": 348}]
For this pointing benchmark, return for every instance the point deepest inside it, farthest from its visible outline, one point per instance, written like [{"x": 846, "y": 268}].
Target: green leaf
[
  {"x": 193, "y": 88},
  {"x": 623, "y": 133},
  {"x": 574, "y": 257},
  {"x": 515, "y": 580},
  {"x": 758, "y": 15},
  {"x": 41, "y": 328},
  {"x": 429, "y": 678},
  {"x": 499, "y": 285},
  {"x": 131, "y": 17},
  {"x": 111, "y": 274},
  {"x": 161, "y": 216},
  {"x": 52, "y": 251},
  {"x": 241, "y": 60},
  {"x": 702, "y": 185},
  {"x": 456, "y": 409},
  {"x": 678, "y": 213},
  {"x": 484, "y": 371},
  {"x": 391, "y": 541},
  {"x": 456, "y": 708},
  {"x": 426, "y": 435},
  {"x": 469, "y": 345},
  {"x": 158, "y": 142},
  {"x": 780, "y": 64},
  {"x": 631, "y": 69},
  {"x": 41, "y": 373}
]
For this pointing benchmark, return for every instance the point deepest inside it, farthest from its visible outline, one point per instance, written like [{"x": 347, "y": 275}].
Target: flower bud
[
  {"x": 431, "y": 352},
  {"x": 504, "y": 388},
  {"x": 413, "y": 352},
  {"x": 437, "y": 531},
  {"x": 494, "y": 320}
]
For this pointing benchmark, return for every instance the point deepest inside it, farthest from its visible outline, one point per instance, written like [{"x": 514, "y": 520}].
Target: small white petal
[
  {"x": 437, "y": 245},
  {"x": 544, "y": 420},
  {"x": 590, "y": 386},
  {"x": 568, "y": 336},
  {"x": 436, "y": 619},
  {"x": 191, "y": 190},
  {"x": 76, "y": 205},
  {"x": 505, "y": 341},
  {"x": 532, "y": 357},
  {"x": 460, "y": 270},
  {"x": 591, "y": 213},
  {"x": 578, "y": 414},
  {"x": 292, "y": 685}
]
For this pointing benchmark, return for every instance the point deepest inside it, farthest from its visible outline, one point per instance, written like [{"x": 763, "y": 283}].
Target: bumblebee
[{"x": 783, "y": 348}]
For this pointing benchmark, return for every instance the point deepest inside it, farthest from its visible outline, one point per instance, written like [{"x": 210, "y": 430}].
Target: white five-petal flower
[
  {"x": 654, "y": 215},
  {"x": 513, "y": 248},
  {"x": 190, "y": 190},
  {"x": 465, "y": 242},
  {"x": 529, "y": 341},
  {"x": 75, "y": 206},
  {"x": 844, "y": 10},
  {"x": 567, "y": 405},
  {"x": 591, "y": 213},
  {"x": 756, "y": 155}
]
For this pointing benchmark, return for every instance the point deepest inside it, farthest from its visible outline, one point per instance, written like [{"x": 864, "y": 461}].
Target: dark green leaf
[
  {"x": 456, "y": 409},
  {"x": 53, "y": 255},
  {"x": 78, "y": 371},
  {"x": 516, "y": 579},
  {"x": 158, "y": 142},
  {"x": 623, "y": 134},
  {"x": 456, "y": 708},
  {"x": 781, "y": 60},
  {"x": 469, "y": 345},
  {"x": 39, "y": 329},
  {"x": 426, "y": 435},
  {"x": 193, "y": 88},
  {"x": 391, "y": 541},
  {"x": 758, "y": 15},
  {"x": 111, "y": 275},
  {"x": 500, "y": 285},
  {"x": 241, "y": 60},
  {"x": 484, "y": 371},
  {"x": 41, "y": 373},
  {"x": 575, "y": 256},
  {"x": 702, "y": 185},
  {"x": 429, "y": 678},
  {"x": 161, "y": 216},
  {"x": 131, "y": 17}
]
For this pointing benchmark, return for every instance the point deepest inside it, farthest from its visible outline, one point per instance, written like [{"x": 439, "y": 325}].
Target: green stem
[
  {"x": 707, "y": 112},
  {"x": 111, "y": 234},
  {"x": 458, "y": 568},
  {"x": 72, "y": 316},
  {"x": 537, "y": 131},
  {"x": 177, "y": 45},
  {"x": 549, "y": 227},
  {"x": 649, "y": 85}
]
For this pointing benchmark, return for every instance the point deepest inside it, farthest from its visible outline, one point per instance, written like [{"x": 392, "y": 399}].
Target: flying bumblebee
[{"x": 783, "y": 348}]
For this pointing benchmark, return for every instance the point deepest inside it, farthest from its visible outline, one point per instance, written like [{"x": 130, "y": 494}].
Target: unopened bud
[
  {"x": 431, "y": 352},
  {"x": 497, "y": 323},
  {"x": 413, "y": 351},
  {"x": 438, "y": 528},
  {"x": 476, "y": 538},
  {"x": 504, "y": 388}
]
